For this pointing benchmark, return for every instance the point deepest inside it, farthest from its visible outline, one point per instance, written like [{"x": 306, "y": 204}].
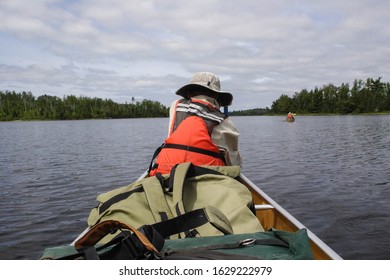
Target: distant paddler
[{"x": 290, "y": 117}]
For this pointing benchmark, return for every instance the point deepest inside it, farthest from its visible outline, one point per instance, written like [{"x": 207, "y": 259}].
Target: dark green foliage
[
  {"x": 24, "y": 106},
  {"x": 372, "y": 96},
  {"x": 251, "y": 112}
]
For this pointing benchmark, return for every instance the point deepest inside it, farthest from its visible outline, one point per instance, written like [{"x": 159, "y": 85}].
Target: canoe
[
  {"x": 290, "y": 120},
  {"x": 271, "y": 215}
]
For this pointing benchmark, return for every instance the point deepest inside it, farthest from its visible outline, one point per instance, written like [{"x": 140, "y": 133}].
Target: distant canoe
[{"x": 290, "y": 120}]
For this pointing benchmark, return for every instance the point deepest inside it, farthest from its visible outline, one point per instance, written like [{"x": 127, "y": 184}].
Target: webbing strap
[
  {"x": 185, "y": 148},
  {"x": 156, "y": 152},
  {"x": 195, "y": 150},
  {"x": 91, "y": 253},
  {"x": 182, "y": 223},
  {"x": 119, "y": 197}
]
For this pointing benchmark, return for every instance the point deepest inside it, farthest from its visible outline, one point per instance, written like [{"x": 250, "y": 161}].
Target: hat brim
[{"x": 224, "y": 98}]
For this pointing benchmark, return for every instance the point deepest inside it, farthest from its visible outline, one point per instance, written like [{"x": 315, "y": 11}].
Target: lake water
[{"x": 332, "y": 173}]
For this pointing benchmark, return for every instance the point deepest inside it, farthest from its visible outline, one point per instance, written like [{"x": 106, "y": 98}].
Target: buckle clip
[{"x": 247, "y": 242}]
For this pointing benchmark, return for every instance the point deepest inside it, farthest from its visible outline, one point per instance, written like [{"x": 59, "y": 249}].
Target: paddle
[{"x": 225, "y": 110}]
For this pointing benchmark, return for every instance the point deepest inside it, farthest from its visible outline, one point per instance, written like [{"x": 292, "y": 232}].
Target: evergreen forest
[
  {"x": 370, "y": 96},
  {"x": 24, "y": 106}
]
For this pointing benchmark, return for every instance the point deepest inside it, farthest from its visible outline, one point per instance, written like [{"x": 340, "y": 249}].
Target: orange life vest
[{"x": 189, "y": 142}]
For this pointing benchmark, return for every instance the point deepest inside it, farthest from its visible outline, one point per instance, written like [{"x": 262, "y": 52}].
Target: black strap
[
  {"x": 193, "y": 171},
  {"x": 194, "y": 149},
  {"x": 153, "y": 236},
  {"x": 119, "y": 197},
  {"x": 90, "y": 253},
  {"x": 183, "y": 223},
  {"x": 186, "y": 148},
  {"x": 156, "y": 152}
]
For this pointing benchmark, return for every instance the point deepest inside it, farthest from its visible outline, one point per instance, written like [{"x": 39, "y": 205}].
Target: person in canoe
[
  {"x": 198, "y": 131},
  {"x": 290, "y": 117}
]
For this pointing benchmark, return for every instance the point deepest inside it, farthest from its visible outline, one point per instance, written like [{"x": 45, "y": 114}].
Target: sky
[{"x": 124, "y": 49}]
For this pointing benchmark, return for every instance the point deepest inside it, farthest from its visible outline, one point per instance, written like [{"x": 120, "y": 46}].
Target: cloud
[{"x": 147, "y": 49}]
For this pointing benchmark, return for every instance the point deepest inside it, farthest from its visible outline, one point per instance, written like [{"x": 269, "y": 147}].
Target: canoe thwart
[{"x": 259, "y": 207}]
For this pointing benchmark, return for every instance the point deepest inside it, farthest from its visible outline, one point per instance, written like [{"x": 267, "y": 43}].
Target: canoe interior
[{"x": 279, "y": 218}]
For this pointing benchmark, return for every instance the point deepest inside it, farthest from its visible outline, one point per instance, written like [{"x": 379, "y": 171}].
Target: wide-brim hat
[{"x": 209, "y": 82}]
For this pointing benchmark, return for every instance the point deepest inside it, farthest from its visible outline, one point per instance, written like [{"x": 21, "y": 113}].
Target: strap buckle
[{"x": 247, "y": 242}]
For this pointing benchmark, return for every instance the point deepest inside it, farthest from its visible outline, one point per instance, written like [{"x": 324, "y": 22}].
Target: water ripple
[{"x": 332, "y": 173}]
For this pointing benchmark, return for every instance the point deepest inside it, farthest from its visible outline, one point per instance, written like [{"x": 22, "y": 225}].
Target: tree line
[
  {"x": 370, "y": 96},
  {"x": 25, "y": 106},
  {"x": 251, "y": 112}
]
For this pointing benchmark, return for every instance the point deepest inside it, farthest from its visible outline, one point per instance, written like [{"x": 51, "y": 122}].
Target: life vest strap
[
  {"x": 186, "y": 148},
  {"x": 194, "y": 149}
]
